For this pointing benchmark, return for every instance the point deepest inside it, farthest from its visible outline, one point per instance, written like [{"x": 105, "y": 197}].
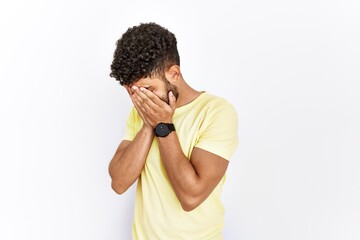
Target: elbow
[
  {"x": 190, "y": 203},
  {"x": 192, "y": 198},
  {"x": 188, "y": 208},
  {"x": 116, "y": 184},
  {"x": 118, "y": 188}
]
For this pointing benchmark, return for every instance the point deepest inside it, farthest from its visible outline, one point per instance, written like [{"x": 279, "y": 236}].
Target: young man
[{"x": 178, "y": 141}]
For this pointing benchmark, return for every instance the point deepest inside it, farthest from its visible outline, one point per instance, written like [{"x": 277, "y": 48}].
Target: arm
[
  {"x": 193, "y": 180},
  {"x": 129, "y": 160}
]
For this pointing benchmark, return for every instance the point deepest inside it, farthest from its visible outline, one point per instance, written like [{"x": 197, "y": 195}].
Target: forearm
[
  {"x": 127, "y": 164},
  {"x": 181, "y": 173}
]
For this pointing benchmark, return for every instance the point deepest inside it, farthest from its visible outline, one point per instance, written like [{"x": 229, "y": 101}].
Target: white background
[{"x": 291, "y": 68}]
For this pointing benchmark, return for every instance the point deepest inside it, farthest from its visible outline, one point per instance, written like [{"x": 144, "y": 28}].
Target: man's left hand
[{"x": 152, "y": 108}]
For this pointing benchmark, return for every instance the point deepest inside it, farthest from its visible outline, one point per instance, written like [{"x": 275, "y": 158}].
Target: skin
[{"x": 192, "y": 179}]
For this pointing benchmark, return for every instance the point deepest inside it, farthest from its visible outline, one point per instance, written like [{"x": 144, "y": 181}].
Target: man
[{"x": 177, "y": 145}]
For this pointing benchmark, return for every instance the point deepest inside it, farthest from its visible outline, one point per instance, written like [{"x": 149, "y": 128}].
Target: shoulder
[
  {"x": 217, "y": 105},
  {"x": 217, "y": 112}
]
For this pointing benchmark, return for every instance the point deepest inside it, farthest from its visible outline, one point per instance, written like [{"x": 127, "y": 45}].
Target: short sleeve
[
  {"x": 130, "y": 126},
  {"x": 220, "y": 131}
]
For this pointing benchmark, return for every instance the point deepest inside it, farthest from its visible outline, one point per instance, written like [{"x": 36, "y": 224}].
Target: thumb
[{"x": 172, "y": 100}]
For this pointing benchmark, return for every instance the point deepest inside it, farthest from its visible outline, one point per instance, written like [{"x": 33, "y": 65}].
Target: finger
[
  {"x": 138, "y": 104},
  {"x": 130, "y": 92},
  {"x": 141, "y": 112},
  {"x": 153, "y": 97},
  {"x": 132, "y": 97},
  {"x": 128, "y": 89},
  {"x": 172, "y": 100},
  {"x": 144, "y": 100}
]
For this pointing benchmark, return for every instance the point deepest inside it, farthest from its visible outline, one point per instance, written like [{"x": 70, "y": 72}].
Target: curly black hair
[{"x": 144, "y": 50}]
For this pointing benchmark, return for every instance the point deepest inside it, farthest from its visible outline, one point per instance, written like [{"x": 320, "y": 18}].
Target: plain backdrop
[{"x": 291, "y": 69}]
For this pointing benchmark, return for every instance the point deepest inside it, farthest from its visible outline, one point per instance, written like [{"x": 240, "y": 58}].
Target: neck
[{"x": 186, "y": 94}]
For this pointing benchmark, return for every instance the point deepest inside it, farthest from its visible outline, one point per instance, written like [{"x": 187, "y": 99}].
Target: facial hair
[{"x": 169, "y": 88}]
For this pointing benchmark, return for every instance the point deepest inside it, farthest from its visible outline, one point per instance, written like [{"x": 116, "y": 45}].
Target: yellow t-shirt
[{"x": 209, "y": 123}]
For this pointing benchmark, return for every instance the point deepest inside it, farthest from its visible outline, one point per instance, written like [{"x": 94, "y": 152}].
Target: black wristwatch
[{"x": 163, "y": 129}]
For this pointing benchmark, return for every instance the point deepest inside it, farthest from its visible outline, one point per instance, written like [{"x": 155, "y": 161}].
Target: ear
[{"x": 173, "y": 73}]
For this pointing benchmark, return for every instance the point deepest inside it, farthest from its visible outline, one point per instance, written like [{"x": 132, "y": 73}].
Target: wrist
[
  {"x": 163, "y": 129},
  {"x": 147, "y": 129}
]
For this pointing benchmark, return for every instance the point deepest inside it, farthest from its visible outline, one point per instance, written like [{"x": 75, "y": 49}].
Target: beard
[{"x": 169, "y": 88}]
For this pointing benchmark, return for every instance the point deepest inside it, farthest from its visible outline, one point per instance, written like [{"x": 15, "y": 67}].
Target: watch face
[{"x": 162, "y": 130}]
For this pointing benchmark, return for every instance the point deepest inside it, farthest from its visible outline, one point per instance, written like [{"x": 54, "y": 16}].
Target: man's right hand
[{"x": 131, "y": 94}]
